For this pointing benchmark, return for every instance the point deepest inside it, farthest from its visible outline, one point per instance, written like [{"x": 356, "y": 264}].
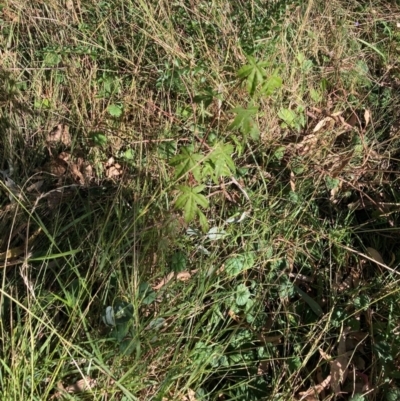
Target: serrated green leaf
[
  {"x": 360, "y": 397},
  {"x": 288, "y": 116},
  {"x": 254, "y": 74},
  {"x": 254, "y": 132},
  {"x": 271, "y": 84},
  {"x": 189, "y": 200},
  {"x": 237, "y": 264},
  {"x": 178, "y": 261},
  {"x": 52, "y": 59},
  {"x": 203, "y": 221},
  {"x": 187, "y": 161},
  {"x": 98, "y": 138},
  {"x": 129, "y": 154},
  {"x": 146, "y": 293},
  {"x": 244, "y": 121},
  {"x": 242, "y": 295},
  {"x": 332, "y": 183},
  {"x": 280, "y": 152},
  {"x": 114, "y": 110}
]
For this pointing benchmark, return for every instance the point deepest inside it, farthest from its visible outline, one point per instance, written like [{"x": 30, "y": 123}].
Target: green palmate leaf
[
  {"x": 178, "y": 261},
  {"x": 203, "y": 221},
  {"x": 271, "y": 84},
  {"x": 189, "y": 200},
  {"x": 220, "y": 162},
  {"x": 244, "y": 120},
  {"x": 98, "y": 138},
  {"x": 237, "y": 264},
  {"x": 187, "y": 161},
  {"x": 280, "y": 152},
  {"x": 254, "y": 73},
  {"x": 242, "y": 295},
  {"x": 288, "y": 116},
  {"x": 114, "y": 110}
]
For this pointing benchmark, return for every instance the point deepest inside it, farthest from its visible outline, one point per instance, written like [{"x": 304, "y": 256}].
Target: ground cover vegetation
[{"x": 199, "y": 200}]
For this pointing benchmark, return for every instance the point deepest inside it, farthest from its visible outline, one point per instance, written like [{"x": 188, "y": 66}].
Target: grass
[{"x": 216, "y": 180}]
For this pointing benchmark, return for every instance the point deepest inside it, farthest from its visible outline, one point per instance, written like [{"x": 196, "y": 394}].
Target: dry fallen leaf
[
  {"x": 312, "y": 393},
  {"x": 352, "y": 119},
  {"x": 164, "y": 281},
  {"x": 35, "y": 186},
  {"x": 88, "y": 171},
  {"x": 367, "y": 117},
  {"x": 292, "y": 182},
  {"x": 60, "y": 133},
  {"x": 374, "y": 254},
  {"x": 183, "y": 276},
  {"x": 322, "y": 124},
  {"x": 57, "y": 167},
  {"x": 324, "y": 355},
  {"x": 112, "y": 172},
  {"x": 191, "y": 395},
  {"x": 339, "y": 366},
  {"x": 110, "y": 162},
  {"x": 69, "y": 5},
  {"x": 272, "y": 339},
  {"x": 76, "y": 174},
  {"x": 85, "y": 384}
]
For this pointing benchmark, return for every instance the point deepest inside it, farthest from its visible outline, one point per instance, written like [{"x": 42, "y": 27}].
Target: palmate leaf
[
  {"x": 254, "y": 73},
  {"x": 272, "y": 83},
  {"x": 288, "y": 116},
  {"x": 187, "y": 161},
  {"x": 189, "y": 201},
  {"x": 243, "y": 116},
  {"x": 242, "y": 295},
  {"x": 221, "y": 163}
]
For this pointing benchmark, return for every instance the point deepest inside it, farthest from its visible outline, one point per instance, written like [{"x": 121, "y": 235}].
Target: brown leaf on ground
[
  {"x": 57, "y": 167},
  {"x": 292, "y": 182},
  {"x": 191, "y": 395},
  {"x": 35, "y": 187},
  {"x": 326, "y": 121},
  {"x": 341, "y": 165},
  {"x": 312, "y": 393},
  {"x": 276, "y": 340},
  {"x": 164, "y": 281},
  {"x": 85, "y": 384},
  {"x": 324, "y": 355},
  {"x": 183, "y": 276},
  {"x": 339, "y": 366},
  {"x": 76, "y": 174},
  {"x": 110, "y": 162},
  {"x": 367, "y": 117},
  {"x": 112, "y": 172},
  {"x": 58, "y": 134},
  {"x": 374, "y": 254},
  {"x": 352, "y": 119}
]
